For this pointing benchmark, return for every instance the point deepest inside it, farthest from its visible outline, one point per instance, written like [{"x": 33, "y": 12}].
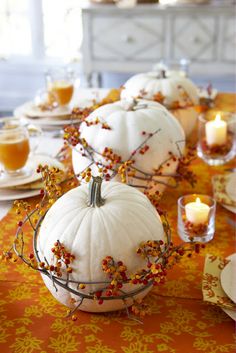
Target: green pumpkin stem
[{"x": 95, "y": 197}]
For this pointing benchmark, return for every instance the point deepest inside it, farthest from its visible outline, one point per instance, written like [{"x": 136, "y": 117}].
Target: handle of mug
[{"x": 35, "y": 134}]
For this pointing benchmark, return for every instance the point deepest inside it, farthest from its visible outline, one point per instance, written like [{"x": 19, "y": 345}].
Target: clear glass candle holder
[
  {"x": 196, "y": 218},
  {"x": 217, "y": 137}
]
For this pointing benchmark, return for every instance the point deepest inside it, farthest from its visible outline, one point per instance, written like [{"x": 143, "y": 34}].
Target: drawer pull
[
  {"x": 196, "y": 40},
  {"x": 128, "y": 39}
]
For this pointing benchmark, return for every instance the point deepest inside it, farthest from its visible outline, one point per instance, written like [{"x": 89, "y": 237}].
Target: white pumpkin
[
  {"x": 175, "y": 89},
  {"x": 126, "y": 136},
  {"x": 90, "y": 233}
]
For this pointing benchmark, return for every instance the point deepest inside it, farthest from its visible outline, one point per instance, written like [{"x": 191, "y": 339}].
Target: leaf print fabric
[{"x": 32, "y": 321}]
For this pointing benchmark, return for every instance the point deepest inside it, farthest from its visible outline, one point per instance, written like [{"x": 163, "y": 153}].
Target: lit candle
[
  {"x": 216, "y": 131},
  {"x": 197, "y": 212}
]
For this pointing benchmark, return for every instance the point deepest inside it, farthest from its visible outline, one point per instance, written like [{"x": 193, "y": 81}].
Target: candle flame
[
  {"x": 218, "y": 117},
  {"x": 198, "y": 200}
]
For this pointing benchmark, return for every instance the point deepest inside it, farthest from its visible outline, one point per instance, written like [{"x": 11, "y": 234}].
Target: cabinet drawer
[
  {"x": 128, "y": 37},
  {"x": 194, "y": 37}
]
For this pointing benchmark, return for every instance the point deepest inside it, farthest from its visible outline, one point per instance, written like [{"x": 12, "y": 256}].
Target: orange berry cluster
[
  {"x": 62, "y": 256},
  {"x": 72, "y": 134},
  {"x": 106, "y": 126},
  {"x": 110, "y": 155},
  {"x": 158, "y": 97},
  {"x": 184, "y": 162},
  {"x": 144, "y": 149},
  {"x": 140, "y": 308},
  {"x": 51, "y": 178},
  {"x": 8, "y": 256},
  {"x": 151, "y": 248},
  {"x": 116, "y": 272},
  {"x": 86, "y": 175},
  {"x": 81, "y": 114},
  {"x": 124, "y": 170},
  {"x": 21, "y": 205},
  {"x": 153, "y": 196},
  {"x": 194, "y": 229},
  {"x": 32, "y": 261}
]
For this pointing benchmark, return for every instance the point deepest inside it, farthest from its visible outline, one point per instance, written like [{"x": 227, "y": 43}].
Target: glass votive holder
[
  {"x": 217, "y": 137},
  {"x": 196, "y": 218}
]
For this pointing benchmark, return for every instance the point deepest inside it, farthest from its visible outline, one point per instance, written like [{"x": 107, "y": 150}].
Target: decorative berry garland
[
  {"x": 110, "y": 164},
  {"x": 159, "y": 257}
]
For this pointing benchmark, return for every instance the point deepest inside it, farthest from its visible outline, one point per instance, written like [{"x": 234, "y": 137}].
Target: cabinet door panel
[
  {"x": 124, "y": 38},
  {"x": 228, "y": 48},
  {"x": 194, "y": 37}
]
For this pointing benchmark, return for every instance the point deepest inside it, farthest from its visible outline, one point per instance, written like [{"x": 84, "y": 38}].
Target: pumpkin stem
[
  {"x": 162, "y": 74},
  {"x": 133, "y": 104},
  {"x": 129, "y": 104},
  {"x": 95, "y": 197}
]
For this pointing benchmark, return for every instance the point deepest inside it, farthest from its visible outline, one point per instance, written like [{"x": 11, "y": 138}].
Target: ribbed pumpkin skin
[
  {"x": 187, "y": 117},
  {"x": 91, "y": 233},
  {"x": 170, "y": 88},
  {"x": 126, "y": 135}
]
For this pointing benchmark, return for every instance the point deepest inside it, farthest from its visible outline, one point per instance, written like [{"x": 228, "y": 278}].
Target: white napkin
[
  {"x": 49, "y": 146},
  {"x": 5, "y": 206}
]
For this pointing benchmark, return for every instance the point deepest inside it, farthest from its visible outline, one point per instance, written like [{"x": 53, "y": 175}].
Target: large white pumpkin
[
  {"x": 175, "y": 89},
  {"x": 126, "y": 134},
  {"x": 91, "y": 233}
]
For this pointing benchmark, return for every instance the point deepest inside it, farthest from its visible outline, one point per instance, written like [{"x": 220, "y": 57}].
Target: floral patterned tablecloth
[{"x": 32, "y": 320}]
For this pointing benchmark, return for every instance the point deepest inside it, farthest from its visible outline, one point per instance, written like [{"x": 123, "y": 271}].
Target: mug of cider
[
  {"x": 15, "y": 146},
  {"x": 60, "y": 82}
]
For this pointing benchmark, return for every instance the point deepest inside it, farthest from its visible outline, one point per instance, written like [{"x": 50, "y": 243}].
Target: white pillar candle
[
  {"x": 216, "y": 131},
  {"x": 197, "y": 212}
]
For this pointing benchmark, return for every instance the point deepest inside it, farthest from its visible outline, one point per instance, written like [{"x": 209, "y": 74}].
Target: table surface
[{"x": 33, "y": 321}]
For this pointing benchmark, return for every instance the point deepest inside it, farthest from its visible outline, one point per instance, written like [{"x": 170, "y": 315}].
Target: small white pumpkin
[
  {"x": 91, "y": 231},
  {"x": 170, "y": 89},
  {"x": 127, "y": 125}
]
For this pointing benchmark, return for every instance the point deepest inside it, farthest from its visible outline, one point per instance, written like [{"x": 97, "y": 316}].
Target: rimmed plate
[
  {"x": 82, "y": 98},
  {"x": 45, "y": 119},
  {"x": 228, "y": 278},
  {"x": 10, "y": 195},
  {"x": 225, "y": 191},
  {"x": 229, "y": 208},
  {"x": 31, "y": 165},
  {"x": 33, "y": 112},
  {"x": 231, "y": 313},
  {"x": 230, "y": 187}
]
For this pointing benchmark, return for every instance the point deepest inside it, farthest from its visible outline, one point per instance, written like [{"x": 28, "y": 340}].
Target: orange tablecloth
[{"x": 32, "y": 320}]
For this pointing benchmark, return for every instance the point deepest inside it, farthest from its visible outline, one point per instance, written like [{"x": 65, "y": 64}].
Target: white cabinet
[{"x": 132, "y": 40}]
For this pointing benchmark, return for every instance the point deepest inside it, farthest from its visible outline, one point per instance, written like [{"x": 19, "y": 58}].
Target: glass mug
[
  {"x": 17, "y": 141},
  {"x": 60, "y": 83}
]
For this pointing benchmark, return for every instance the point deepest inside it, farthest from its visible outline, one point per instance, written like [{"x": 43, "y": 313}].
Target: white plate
[
  {"x": 20, "y": 112},
  {"x": 7, "y": 195},
  {"x": 82, "y": 98},
  {"x": 231, "y": 313},
  {"x": 32, "y": 164},
  {"x": 231, "y": 187},
  {"x": 33, "y": 112},
  {"x": 229, "y": 208},
  {"x": 228, "y": 278}
]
